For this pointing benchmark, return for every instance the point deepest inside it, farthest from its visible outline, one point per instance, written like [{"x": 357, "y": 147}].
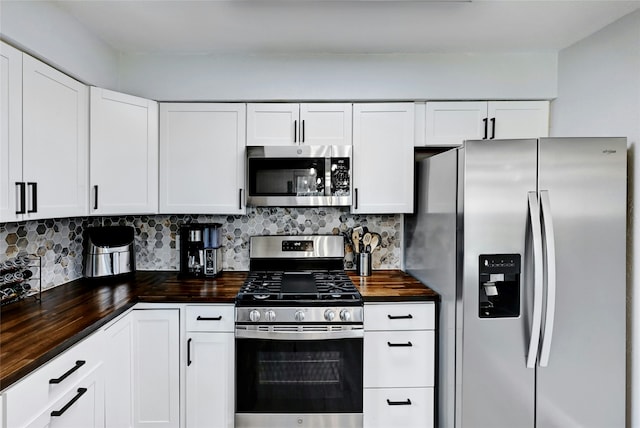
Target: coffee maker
[{"x": 200, "y": 250}]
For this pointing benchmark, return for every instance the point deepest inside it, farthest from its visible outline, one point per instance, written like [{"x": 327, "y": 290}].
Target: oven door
[{"x": 299, "y": 376}]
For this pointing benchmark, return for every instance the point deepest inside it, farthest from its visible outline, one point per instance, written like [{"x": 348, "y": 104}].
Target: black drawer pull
[
  {"x": 69, "y": 372},
  {"x": 209, "y": 319},
  {"x": 399, "y": 403},
  {"x": 400, "y": 317},
  {"x": 81, "y": 391},
  {"x": 399, "y": 345}
]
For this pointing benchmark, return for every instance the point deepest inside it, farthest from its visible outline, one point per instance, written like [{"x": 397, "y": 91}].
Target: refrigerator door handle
[
  {"x": 536, "y": 233},
  {"x": 550, "y": 242}
]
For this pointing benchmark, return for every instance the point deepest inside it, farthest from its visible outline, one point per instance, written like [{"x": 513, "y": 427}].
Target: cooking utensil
[
  {"x": 366, "y": 240},
  {"x": 375, "y": 241},
  {"x": 355, "y": 240}
]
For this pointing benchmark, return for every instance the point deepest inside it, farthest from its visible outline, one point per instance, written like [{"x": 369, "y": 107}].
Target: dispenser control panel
[{"x": 499, "y": 285}]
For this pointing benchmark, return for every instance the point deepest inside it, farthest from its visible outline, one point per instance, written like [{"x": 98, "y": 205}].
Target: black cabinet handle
[
  {"x": 75, "y": 398},
  {"x": 356, "y": 196},
  {"x": 22, "y": 188},
  {"x": 34, "y": 197},
  {"x": 189, "y": 352},
  {"x": 493, "y": 128},
  {"x": 400, "y": 317},
  {"x": 295, "y": 131},
  {"x": 303, "y": 131},
  {"x": 399, "y": 403},
  {"x": 486, "y": 128},
  {"x": 240, "y": 199},
  {"x": 95, "y": 202},
  {"x": 400, "y": 345},
  {"x": 209, "y": 318},
  {"x": 68, "y": 373}
]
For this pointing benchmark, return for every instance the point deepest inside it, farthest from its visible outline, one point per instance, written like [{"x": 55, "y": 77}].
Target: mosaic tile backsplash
[{"x": 59, "y": 242}]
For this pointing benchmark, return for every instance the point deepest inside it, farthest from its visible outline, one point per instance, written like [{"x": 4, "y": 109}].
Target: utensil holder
[{"x": 364, "y": 264}]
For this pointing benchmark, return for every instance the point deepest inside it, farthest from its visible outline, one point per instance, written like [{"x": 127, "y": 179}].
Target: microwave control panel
[{"x": 340, "y": 176}]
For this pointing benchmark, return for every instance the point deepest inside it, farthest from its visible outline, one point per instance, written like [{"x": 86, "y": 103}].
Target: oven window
[
  {"x": 276, "y": 376},
  {"x": 286, "y": 177}
]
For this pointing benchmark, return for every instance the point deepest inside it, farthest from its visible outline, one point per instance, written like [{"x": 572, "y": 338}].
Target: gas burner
[{"x": 289, "y": 272}]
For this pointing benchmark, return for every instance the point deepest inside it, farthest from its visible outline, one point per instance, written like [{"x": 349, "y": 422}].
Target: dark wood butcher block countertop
[{"x": 32, "y": 332}]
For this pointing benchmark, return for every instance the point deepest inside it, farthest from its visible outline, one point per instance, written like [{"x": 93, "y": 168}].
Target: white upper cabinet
[
  {"x": 124, "y": 154},
  {"x": 55, "y": 142},
  {"x": 202, "y": 158},
  {"x": 519, "y": 119},
  {"x": 450, "y": 123},
  {"x": 383, "y": 137},
  {"x": 10, "y": 133},
  {"x": 280, "y": 124}
]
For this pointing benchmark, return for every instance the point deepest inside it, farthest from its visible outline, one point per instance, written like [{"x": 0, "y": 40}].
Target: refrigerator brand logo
[{"x": 609, "y": 151}]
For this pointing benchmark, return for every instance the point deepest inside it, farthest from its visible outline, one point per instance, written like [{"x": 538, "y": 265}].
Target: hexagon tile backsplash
[{"x": 60, "y": 241}]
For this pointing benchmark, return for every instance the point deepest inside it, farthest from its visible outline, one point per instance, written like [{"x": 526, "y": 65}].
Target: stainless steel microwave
[{"x": 285, "y": 176}]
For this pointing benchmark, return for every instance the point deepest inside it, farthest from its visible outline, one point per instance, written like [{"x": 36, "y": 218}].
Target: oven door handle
[{"x": 353, "y": 333}]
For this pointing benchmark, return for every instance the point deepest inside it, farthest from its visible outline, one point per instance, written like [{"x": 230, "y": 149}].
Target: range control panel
[{"x": 297, "y": 246}]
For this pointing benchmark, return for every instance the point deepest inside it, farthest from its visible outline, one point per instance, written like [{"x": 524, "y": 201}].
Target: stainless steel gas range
[{"x": 299, "y": 336}]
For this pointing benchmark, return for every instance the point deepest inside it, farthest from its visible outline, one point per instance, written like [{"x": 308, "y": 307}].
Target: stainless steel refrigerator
[{"x": 525, "y": 242}]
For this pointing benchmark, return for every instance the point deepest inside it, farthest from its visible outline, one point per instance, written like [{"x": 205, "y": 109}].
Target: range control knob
[
  {"x": 329, "y": 315},
  {"x": 270, "y": 316},
  {"x": 299, "y": 316},
  {"x": 254, "y": 315},
  {"x": 345, "y": 315}
]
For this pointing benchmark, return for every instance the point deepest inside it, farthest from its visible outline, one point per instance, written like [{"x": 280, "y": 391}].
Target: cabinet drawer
[
  {"x": 399, "y": 316},
  {"x": 82, "y": 406},
  {"x": 210, "y": 318},
  {"x": 398, "y": 407},
  {"x": 399, "y": 359},
  {"x": 50, "y": 382}
]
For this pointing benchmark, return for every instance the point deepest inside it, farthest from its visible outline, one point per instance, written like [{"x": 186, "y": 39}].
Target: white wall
[
  {"x": 599, "y": 95},
  {"x": 50, "y": 34},
  {"x": 340, "y": 77}
]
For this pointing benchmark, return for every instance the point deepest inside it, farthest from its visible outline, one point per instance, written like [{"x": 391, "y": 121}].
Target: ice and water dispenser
[
  {"x": 200, "y": 250},
  {"x": 499, "y": 282}
]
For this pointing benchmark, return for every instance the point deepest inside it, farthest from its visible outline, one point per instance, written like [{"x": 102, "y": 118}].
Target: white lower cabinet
[
  {"x": 210, "y": 366},
  {"x": 68, "y": 391},
  {"x": 398, "y": 407},
  {"x": 399, "y": 365},
  {"x": 156, "y": 368},
  {"x": 119, "y": 373},
  {"x": 81, "y": 407}
]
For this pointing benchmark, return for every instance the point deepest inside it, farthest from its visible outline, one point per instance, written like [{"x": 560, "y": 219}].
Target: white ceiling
[{"x": 338, "y": 26}]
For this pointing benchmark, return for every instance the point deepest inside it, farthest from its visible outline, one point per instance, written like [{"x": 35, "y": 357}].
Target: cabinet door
[
  {"x": 272, "y": 124},
  {"x": 202, "y": 158},
  {"x": 383, "y": 158},
  {"x": 119, "y": 373},
  {"x": 124, "y": 154},
  {"x": 326, "y": 124},
  {"x": 519, "y": 119},
  {"x": 81, "y": 407},
  {"x": 10, "y": 132},
  {"x": 210, "y": 375},
  {"x": 55, "y": 142},
  {"x": 450, "y": 123},
  {"x": 156, "y": 352}
]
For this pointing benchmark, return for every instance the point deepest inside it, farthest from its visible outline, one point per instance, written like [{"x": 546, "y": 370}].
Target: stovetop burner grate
[{"x": 296, "y": 287}]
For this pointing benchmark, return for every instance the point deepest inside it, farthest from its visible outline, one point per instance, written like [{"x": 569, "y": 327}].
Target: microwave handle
[{"x": 295, "y": 131}]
